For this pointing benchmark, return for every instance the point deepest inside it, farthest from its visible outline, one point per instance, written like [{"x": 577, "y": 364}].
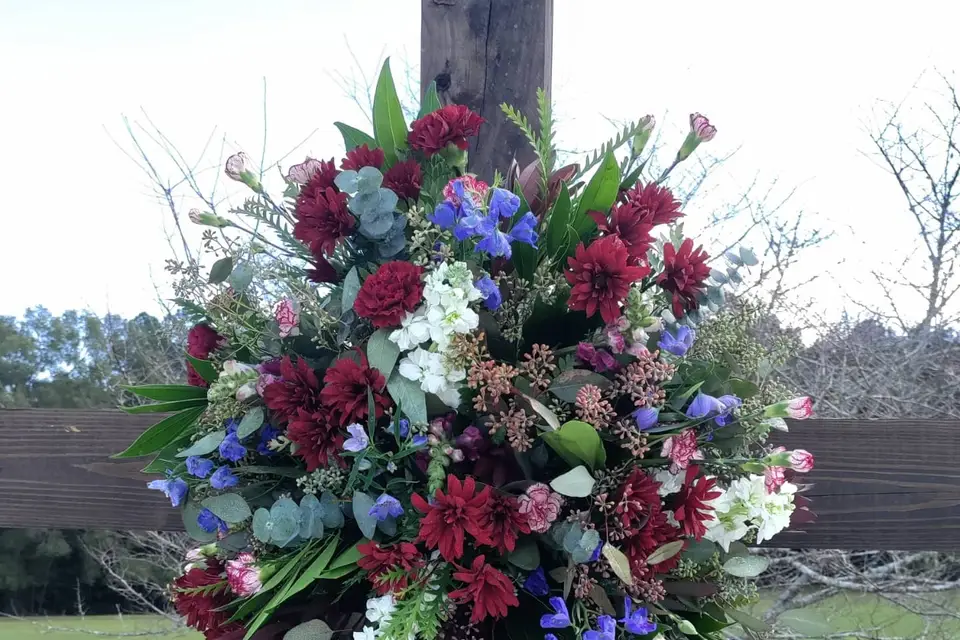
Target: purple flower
[
  {"x": 495, "y": 243},
  {"x": 549, "y": 636},
  {"x": 608, "y": 630},
  {"x": 678, "y": 344},
  {"x": 635, "y": 620},
  {"x": 558, "y": 620},
  {"x": 232, "y": 425},
  {"x": 536, "y": 583},
  {"x": 358, "y": 440},
  {"x": 730, "y": 403},
  {"x": 470, "y": 442},
  {"x": 646, "y": 417},
  {"x": 199, "y": 467},
  {"x": 231, "y": 449},
  {"x": 504, "y": 204},
  {"x": 523, "y": 230},
  {"x": 209, "y": 522},
  {"x": 267, "y": 433},
  {"x": 705, "y": 406},
  {"x": 174, "y": 488},
  {"x": 596, "y": 552},
  {"x": 385, "y": 507},
  {"x": 401, "y": 429},
  {"x": 600, "y": 360},
  {"x": 419, "y": 441},
  {"x": 492, "y": 298},
  {"x": 223, "y": 478}
]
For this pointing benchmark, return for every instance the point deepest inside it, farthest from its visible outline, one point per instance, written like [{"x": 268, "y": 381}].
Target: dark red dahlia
[
  {"x": 452, "y": 124},
  {"x": 323, "y": 271},
  {"x": 382, "y": 563},
  {"x": 625, "y": 223},
  {"x": 200, "y": 594},
  {"x": 362, "y": 156},
  {"x": 655, "y": 533},
  {"x": 637, "y": 499},
  {"x": 298, "y": 388},
  {"x": 692, "y": 504},
  {"x": 389, "y": 293},
  {"x": 323, "y": 221},
  {"x": 601, "y": 277},
  {"x": 404, "y": 179},
  {"x": 684, "y": 271},
  {"x": 451, "y": 515},
  {"x": 319, "y": 181},
  {"x": 490, "y": 591},
  {"x": 202, "y": 340},
  {"x": 319, "y": 441},
  {"x": 502, "y": 518},
  {"x": 653, "y": 204},
  {"x": 344, "y": 393}
]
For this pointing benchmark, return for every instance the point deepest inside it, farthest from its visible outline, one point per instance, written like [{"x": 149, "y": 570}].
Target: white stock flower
[
  {"x": 414, "y": 330},
  {"x": 368, "y": 633},
  {"x": 778, "y": 508},
  {"x": 453, "y": 315},
  {"x": 381, "y": 609},
  {"x": 746, "y": 505},
  {"x": 669, "y": 482},
  {"x": 429, "y": 370}
]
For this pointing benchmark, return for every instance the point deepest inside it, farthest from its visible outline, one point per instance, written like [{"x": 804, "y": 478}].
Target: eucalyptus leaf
[
  {"x": 347, "y": 181},
  {"x": 310, "y": 630},
  {"x": 252, "y": 420},
  {"x": 204, "y": 445},
  {"x": 746, "y": 566},
  {"x": 665, "y": 552},
  {"x": 747, "y": 621},
  {"x": 362, "y": 503},
  {"x": 285, "y": 530},
  {"x": 221, "y": 270},
  {"x": 330, "y": 511},
  {"x": 351, "y": 287},
  {"x": 749, "y": 257},
  {"x": 229, "y": 507},
  {"x": 241, "y": 277},
  {"x": 618, "y": 562},
  {"x": 369, "y": 179},
  {"x": 576, "y": 483},
  {"x": 410, "y": 396},
  {"x": 526, "y": 555},
  {"x": 262, "y": 525}
]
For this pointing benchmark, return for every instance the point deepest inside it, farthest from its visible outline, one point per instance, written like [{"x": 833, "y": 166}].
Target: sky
[{"x": 789, "y": 86}]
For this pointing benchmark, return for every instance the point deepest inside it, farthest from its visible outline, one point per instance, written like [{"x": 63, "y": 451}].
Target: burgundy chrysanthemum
[
  {"x": 601, "y": 277},
  {"x": 691, "y": 505},
  {"x": 404, "y": 179},
  {"x": 362, "y": 156},
  {"x": 319, "y": 441},
  {"x": 200, "y": 595},
  {"x": 323, "y": 221},
  {"x": 490, "y": 591},
  {"x": 381, "y": 564},
  {"x": 452, "y": 124},
  {"x": 684, "y": 271},
  {"x": 637, "y": 499},
  {"x": 625, "y": 223},
  {"x": 298, "y": 388},
  {"x": 451, "y": 515},
  {"x": 653, "y": 204},
  {"x": 502, "y": 518},
  {"x": 202, "y": 340},
  {"x": 322, "y": 272},
  {"x": 345, "y": 387},
  {"x": 655, "y": 533},
  {"x": 389, "y": 293}
]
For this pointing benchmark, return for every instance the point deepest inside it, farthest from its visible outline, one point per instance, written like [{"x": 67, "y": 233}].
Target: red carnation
[
  {"x": 200, "y": 595},
  {"x": 684, "y": 271},
  {"x": 490, "y": 591},
  {"x": 692, "y": 504},
  {"x": 323, "y": 271},
  {"x": 625, "y": 223},
  {"x": 452, "y": 124},
  {"x": 387, "y": 295},
  {"x": 362, "y": 156},
  {"x": 298, "y": 388},
  {"x": 655, "y": 533},
  {"x": 637, "y": 499},
  {"x": 345, "y": 389},
  {"x": 202, "y": 340},
  {"x": 601, "y": 277},
  {"x": 503, "y": 520},
  {"x": 318, "y": 440},
  {"x": 380, "y": 562},
  {"x": 323, "y": 221},
  {"x": 653, "y": 204},
  {"x": 404, "y": 179},
  {"x": 450, "y": 515}
]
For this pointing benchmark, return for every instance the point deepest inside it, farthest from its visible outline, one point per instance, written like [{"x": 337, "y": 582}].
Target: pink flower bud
[
  {"x": 263, "y": 381},
  {"x": 433, "y": 440},
  {"x": 640, "y": 138},
  {"x": 243, "y": 575},
  {"x": 301, "y": 173},
  {"x": 801, "y": 461},
  {"x": 236, "y": 166},
  {"x": 456, "y": 455},
  {"x": 447, "y": 450},
  {"x": 800, "y": 408},
  {"x": 194, "y": 216},
  {"x": 700, "y": 126},
  {"x": 774, "y": 477},
  {"x": 288, "y": 318}
]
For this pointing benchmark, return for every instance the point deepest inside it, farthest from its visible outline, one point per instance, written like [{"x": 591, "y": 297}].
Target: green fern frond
[
  {"x": 546, "y": 151},
  {"x": 261, "y": 212},
  {"x": 612, "y": 144},
  {"x": 523, "y": 124}
]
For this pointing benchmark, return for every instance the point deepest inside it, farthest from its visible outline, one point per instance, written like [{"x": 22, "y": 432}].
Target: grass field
[{"x": 59, "y": 628}]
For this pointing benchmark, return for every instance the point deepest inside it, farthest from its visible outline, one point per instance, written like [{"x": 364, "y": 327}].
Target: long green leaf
[
  {"x": 353, "y": 138},
  {"x": 166, "y": 392},
  {"x": 316, "y": 568},
  {"x": 389, "y": 127},
  {"x": 161, "y": 434},
  {"x": 557, "y": 236},
  {"x": 164, "y": 407},
  {"x": 205, "y": 368},
  {"x": 279, "y": 596},
  {"x": 431, "y": 100},
  {"x": 348, "y": 557},
  {"x": 599, "y": 195}
]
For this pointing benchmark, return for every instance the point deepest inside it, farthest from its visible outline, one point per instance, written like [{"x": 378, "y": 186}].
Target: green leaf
[
  {"x": 252, "y": 420},
  {"x": 241, "y": 277},
  {"x": 524, "y": 256},
  {"x": 351, "y": 287},
  {"x": 173, "y": 405},
  {"x": 162, "y": 434},
  {"x": 749, "y": 622},
  {"x": 618, "y": 562},
  {"x": 362, "y": 503},
  {"x": 557, "y": 235},
  {"x": 221, "y": 270},
  {"x": 389, "y": 127},
  {"x": 382, "y": 353},
  {"x": 410, "y": 396},
  {"x": 167, "y": 392},
  {"x": 189, "y": 513},
  {"x": 166, "y": 458},
  {"x": 310, "y": 630},
  {"x": 278, "y": 597},
  {"x": 205, "y": 368},
  {"x": 665, "y": 552},
  {"x": 431, "y": 100},
  {"x": 348, "y": 558},
  {"x": 566, "y": 385},
  {"x": 316, "y": 568},
  {"x": 261, "y": 525},
  {"x": 204, "y": 445},
  {"x": 543, "y": 411},
  {"x": 229, "y": 507},
  {"x": 746, "y": 566},
  {"x": 576, "y": 483},
  {"x": 700, "y": 550},
  {"x": 743, "y": 389},
  {"x": 353, "y": 138},
  {"x": 599, "y": 195},
  {"x": 577, "y": 441},
  {"x": 526, "y": 555}
]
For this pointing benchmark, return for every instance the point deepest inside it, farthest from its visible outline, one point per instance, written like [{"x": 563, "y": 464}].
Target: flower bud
[
  {"x": 208, "y": 219},
  {"x": 288, "y": 318},
  {"x": 238, "y": 168},
  {"x": 640, "y": 138},
  {"x": 301, "y": 173},
  {"x": 801, "y": 461},
  {"x": 799, "y": 409},
  {"x": 247, "y": 391},
  {"x": 700, "y": 131},
  {"x": 456, "y": 455}
]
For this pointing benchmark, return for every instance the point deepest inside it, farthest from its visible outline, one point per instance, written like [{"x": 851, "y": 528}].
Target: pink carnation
[
  {"x": 243, "y": 575},
  {"x": 801, "y": 461},
  {"x": 265, "y": 380},
  {"x": 701, "y": 127},
  {"x": 287, "y": 317},
  {"x": 540, "y": 506},
  {"x": 800, "y": 408},
  {"x": 681, "y": 449},
  {"x": 473, "y": 187},
  {"x": 773, "y": 478}
]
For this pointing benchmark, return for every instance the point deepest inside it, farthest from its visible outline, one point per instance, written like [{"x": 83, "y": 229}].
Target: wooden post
[{"x": 483, "y": 53}]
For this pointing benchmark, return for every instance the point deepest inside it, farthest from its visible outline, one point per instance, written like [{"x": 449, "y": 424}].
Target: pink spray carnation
[
  {"x": 288, "y": 318},
  {"x": 801, "y": 461},
  {"x": 773, "y": 478},
  {"x": 477, "y": 189},
  {"x": 700, "y": 126},
  {"x": 243, "y": 575},
  {"x": 681, "y": 449},
  {"x": 540, "y": 506},
  {"x": 800, "y": 408}
]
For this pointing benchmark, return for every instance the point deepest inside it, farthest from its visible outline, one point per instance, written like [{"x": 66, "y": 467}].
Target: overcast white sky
[{"x": 788, "y": 83}]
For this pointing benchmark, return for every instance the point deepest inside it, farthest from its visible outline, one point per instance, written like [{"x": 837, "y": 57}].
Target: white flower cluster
[
  {"x": 379, "y": 612},
  {"x": 448, "y": 293},
  {"x": 746, "y": 505}
]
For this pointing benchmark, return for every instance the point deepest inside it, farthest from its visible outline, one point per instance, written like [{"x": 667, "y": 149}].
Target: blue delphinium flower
[
  {"x": 231, "y": 449},
  {"x": 209, "y": 522},
  {"x": 385, "y": 507},
  {"x": 419, "y": 441},
  {"x": 199, "y": 467},
  {"x": 504, "y": 204},
  {"x": 635, "y": 620},
  {"x": 596, "y": 552},
  {"x": 524, "y": 230},
  {"x": 495, "y": 243},
  {"x": 223, "y": 478},
  {"x": 558, "y": 620},
  {"x": 448, "y": 215},
  {"x": 358, "y": 440},
  {"x": 730, "y": 403},
  {"x": 232, "y": 425},
  {"x": 721, "y": 409},
  {"x": 536, "y": 583},
  {"x": 492, "y": 298},
  {"x": 174, "y": 488},
  {"x": 678, "y": 344},
  {"x": 549, "y": 636},
  {"x": 401, "y": 428},
  {"x": 607, "y": 631},
  {"x": 646, "y": 417},
  {"x": 267, "y": 433}
]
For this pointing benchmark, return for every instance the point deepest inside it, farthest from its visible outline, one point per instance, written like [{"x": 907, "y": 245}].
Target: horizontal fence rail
[{"x": 877, "y": 484}]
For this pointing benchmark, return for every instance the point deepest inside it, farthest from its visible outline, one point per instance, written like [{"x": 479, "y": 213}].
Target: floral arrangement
[{"x": 421, "y": 405}]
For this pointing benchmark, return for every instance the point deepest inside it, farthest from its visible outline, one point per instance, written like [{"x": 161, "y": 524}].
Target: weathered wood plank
[{"x": 483, "y": 53}]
